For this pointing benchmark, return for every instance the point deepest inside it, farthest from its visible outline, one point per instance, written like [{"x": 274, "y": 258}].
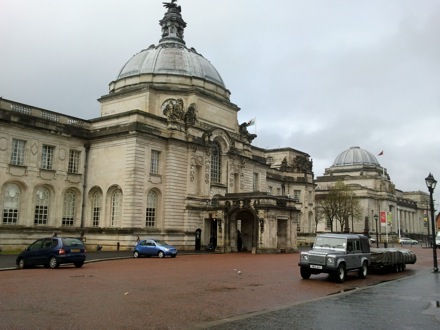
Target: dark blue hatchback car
[{"x": 52, "y": 252}]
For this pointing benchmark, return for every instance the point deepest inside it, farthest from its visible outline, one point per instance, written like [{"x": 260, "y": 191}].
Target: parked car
[
  {"x": 52, "y": 252},
  {"x": 371, "y": 239},
  {"x": 409, "y": 241},
  {"x": 153, "y": 247}
]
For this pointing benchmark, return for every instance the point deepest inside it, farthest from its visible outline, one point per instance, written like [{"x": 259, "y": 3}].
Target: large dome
[
  {"x": 355, "y": 156},
  {"x": 169, "y": 57},
  {"x": 174, "y": 59}
]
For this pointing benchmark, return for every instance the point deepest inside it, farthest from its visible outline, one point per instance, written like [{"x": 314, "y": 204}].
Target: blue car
[
  {"x": 51, "y": 252},
  {"x": 152, "y": 247}
]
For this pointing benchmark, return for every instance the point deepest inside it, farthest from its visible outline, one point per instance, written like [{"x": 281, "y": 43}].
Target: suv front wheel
[{"x": 341, "y": 273}]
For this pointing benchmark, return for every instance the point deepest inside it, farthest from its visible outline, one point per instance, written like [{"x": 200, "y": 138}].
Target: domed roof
[
  {"x": 355, "y": 156},
  {"x": 171, "y": 56}
]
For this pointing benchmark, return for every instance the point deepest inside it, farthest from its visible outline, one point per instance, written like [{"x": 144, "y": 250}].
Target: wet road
[
  {"x": 408, "y": 303},
  {"x": 217, "y": 291}
]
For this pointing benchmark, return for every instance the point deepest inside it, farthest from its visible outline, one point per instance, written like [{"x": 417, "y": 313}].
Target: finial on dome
[
  {"x": 172, "y": 23},
  {"x": 171, "y": 5}
]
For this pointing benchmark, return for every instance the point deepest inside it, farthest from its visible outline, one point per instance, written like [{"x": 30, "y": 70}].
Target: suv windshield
[{"x": 330, "y": 243}]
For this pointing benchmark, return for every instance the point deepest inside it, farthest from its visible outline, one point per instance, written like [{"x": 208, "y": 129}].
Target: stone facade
[
  {"x": 372, "y": 186},
  {"x": 166, "y": 159}
]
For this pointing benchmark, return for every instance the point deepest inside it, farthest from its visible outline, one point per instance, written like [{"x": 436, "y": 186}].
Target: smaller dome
[{"x": 355, "y": 156}]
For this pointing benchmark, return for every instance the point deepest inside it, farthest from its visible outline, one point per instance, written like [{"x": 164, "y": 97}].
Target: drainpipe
[{"x": 84, "y": 195}]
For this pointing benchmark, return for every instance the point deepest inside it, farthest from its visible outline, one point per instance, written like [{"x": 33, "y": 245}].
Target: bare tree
[{"x": 340, "y": 203}]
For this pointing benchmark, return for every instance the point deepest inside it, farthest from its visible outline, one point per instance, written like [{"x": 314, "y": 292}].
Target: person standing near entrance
[{"x": 239, "y": 241}]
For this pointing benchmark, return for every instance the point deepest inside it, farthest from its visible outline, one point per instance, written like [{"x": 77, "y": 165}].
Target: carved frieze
[{"x": 179, "y": 118}]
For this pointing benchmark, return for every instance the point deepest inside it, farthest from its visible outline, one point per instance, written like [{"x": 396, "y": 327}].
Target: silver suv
[{"x": 336, "y": 254}]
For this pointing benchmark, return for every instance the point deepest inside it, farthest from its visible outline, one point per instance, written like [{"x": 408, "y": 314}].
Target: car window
[
  {"x": 36, "y": 245},
  {"x": 47, "y": 243},
  {"x": 68, "y": 242},
  {"x": 149, "y": 243}
]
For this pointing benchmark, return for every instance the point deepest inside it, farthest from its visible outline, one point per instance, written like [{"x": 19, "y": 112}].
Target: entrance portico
[{"x": 257, "y": 223}]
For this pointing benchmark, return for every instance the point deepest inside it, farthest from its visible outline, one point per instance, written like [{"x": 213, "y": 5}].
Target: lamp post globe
[{"x": 431, "y": 183}]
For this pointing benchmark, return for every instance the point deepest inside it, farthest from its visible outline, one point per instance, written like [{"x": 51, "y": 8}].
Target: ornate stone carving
[
  {"x": 245, "y": 134},
  {"x": 177, "y": 117},
  {"x": 207, "y": 164}
]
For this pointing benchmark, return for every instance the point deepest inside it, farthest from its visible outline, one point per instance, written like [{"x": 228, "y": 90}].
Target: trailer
[{"x": 391, "y": 259}]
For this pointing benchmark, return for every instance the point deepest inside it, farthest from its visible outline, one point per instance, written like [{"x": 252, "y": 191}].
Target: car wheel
[
  {"x": 136, "y": 254},
  {"x": 79, "y": 264},
  {"x": 161, "y": 254},
  {"x": 341, "y": 273},
  {"x": 363, "y": 271},
  {"x": 21, "y": 264},
  {"x": 305, "y": 273},
  {"x": 53, "y": 263}
]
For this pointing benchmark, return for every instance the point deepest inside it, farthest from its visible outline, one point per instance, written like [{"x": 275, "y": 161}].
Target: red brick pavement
[{"x": 152, "y": 293}]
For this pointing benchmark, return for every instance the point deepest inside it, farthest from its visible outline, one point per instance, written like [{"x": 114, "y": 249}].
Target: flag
[
  {"x": 251, "y": 122},
  {"x": 381, "y": 153}
]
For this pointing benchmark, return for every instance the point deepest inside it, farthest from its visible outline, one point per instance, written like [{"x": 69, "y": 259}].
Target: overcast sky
[{"x": 319, "y": 76}]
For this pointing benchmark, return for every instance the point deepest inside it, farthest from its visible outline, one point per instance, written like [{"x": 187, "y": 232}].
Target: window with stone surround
[
  {"x": 96, "y": 208},
  {"x": 116, "y": 208},
  {"x": 11, "y": 204},
  {"x": 41, "y": 214},
  {"x": 215, "y": 163},
  {"x": 155, "y": 162},
  {"x": 74, "y": 157},
  {"x": 17, "y": 155},
  {"x": 255, "y": 182},
  {"x": 47, "y": 156},
  {"x": 151, "y": 212},
  {"x": 69, "y": 206}
]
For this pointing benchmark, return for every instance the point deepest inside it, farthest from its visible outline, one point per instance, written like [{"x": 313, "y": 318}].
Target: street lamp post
[
  {"x": 377, "y": 231},
  {"x": 431, "y": 183}
]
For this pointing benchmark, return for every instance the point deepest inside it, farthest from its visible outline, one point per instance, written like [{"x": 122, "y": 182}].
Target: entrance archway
[{"x": 243, "y": 224}]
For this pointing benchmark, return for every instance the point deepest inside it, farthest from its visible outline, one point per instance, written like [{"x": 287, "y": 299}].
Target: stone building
[
  {"x": 371, "y": 185},
  {"x": 166, "y": 159}
]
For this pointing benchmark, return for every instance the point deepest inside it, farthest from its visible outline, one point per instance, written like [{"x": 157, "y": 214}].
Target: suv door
[{"x": 353, "y": 254}]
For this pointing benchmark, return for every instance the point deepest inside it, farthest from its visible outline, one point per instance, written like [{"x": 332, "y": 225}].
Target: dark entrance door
[{"x": 198, "y": 238}]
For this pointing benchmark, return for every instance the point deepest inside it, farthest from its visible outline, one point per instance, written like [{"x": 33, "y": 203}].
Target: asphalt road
[{"x": 215, "y": 291}]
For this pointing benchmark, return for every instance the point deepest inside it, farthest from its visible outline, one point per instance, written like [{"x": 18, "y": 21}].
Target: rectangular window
[
  {"x": 10, "y": 216},
  {"x": 17, "y": 156},
  {"x": 74, "y": 161},
  {"x": 155, "y": 162},
  {"x": 47, "y": 157},
  {"x": 41, "y": 214},
  {"x": 255, "y": 182},
  {"x": 297, "y": 194},
  {"x": 151, "y": 217},
  {"x": 96, "y": 215}
]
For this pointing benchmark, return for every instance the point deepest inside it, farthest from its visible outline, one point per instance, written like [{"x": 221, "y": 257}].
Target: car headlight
[
  {"x": 330, "y": 260},
  {"x": 304, "y": 257}
]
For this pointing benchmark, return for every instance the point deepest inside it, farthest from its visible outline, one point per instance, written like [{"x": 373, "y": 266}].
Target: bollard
[{"x": 117, "y": 246}]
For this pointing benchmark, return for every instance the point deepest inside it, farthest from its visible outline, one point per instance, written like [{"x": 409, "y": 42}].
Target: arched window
[
  {"x": 150, "y": 219},
  {"x": 41, "y": 214},
  {"x": 116, "y": 211},
  {"x": 69, "y": 206},
  {"x": 215, "y": 163},
  {"x": 96, "y": 208},
  {"x": 11, "y": 204}
]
